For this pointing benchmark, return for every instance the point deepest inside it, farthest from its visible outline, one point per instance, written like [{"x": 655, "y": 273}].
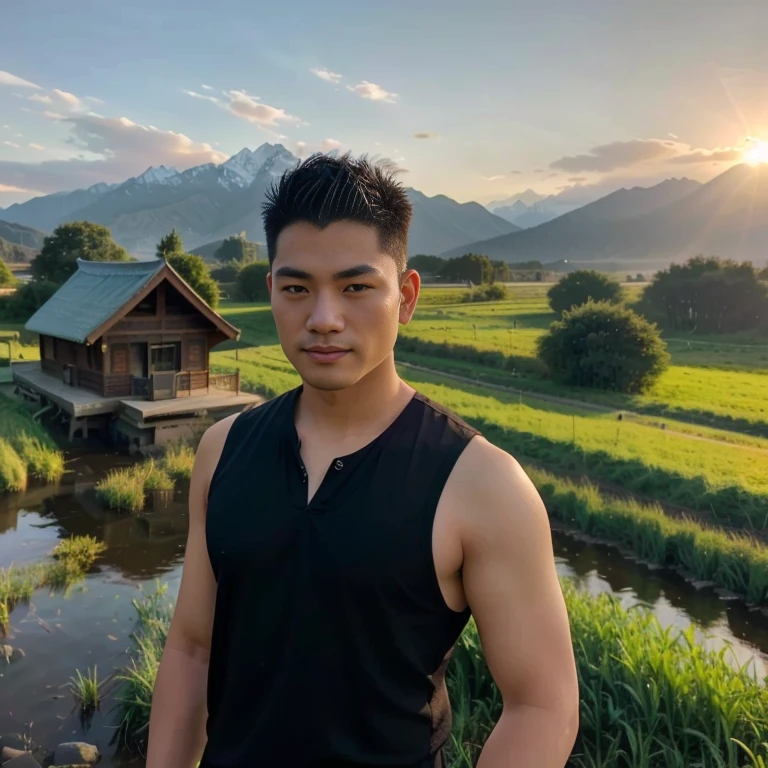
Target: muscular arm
[
  {"x": 511, "y": 585},
  {"x": 177, "y": 723}
]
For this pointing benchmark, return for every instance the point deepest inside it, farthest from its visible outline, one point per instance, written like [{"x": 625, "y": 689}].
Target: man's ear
[{"x": 410, "y": 285}]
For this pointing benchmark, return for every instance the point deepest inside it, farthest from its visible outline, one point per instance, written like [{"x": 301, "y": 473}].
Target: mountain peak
[{"x": 157, "y": 174}]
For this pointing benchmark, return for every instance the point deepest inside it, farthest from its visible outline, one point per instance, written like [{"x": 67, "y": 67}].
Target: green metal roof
[{"x": 91, "y": 296}]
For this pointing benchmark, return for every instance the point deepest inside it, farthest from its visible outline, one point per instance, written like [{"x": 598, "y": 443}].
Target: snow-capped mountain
[{"x": 211, "y": 201}]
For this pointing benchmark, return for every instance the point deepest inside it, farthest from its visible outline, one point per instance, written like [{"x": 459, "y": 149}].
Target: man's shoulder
[{"x": 440, "y": 412}]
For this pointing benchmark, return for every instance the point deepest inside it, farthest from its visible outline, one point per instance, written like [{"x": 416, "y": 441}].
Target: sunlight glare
[{"x": 757, "y": 152}]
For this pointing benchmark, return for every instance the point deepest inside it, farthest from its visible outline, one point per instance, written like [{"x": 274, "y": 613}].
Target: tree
[
  {"x": 426, "y": 265},
  {"x": 236, "y": 249},
  {"x": 580, "y": 286},
  {"x": 500, "y": 272},
  {"x": 56, "y": 262},
  {"x": 707, "y": 295},
  {"x": 195, "y": 272},
  {"x": 604, "y": 346},
  {"x": 20, "y": 306},
  {"x": 6, "y": 276},
  {"x": 252, "y": 281},
  {"x": 470, "y": 266},
  {"x": 170, "y": 245}
]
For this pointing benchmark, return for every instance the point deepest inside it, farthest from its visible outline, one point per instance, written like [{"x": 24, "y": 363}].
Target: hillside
[
  {"x": 11, "y": 253},
  {"x": 674, "y": 220},
  {"x": 210, "y": 202},
  {"x": 16, "y": 234}
]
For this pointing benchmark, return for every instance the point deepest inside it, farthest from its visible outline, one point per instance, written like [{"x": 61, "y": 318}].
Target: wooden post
[{"x": 237, "y": 381}]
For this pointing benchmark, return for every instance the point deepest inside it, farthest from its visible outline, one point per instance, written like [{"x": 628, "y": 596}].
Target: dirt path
[{"x": 626, "y": 415}]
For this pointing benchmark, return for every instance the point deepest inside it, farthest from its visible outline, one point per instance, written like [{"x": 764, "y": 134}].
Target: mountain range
[
  {"x": 671, "y": 221},
  {"x": 528, "y": 209},
  {"x": 210, "y": 202}
]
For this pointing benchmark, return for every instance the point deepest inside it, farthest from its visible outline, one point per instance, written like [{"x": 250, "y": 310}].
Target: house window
[{"x": 164, "y": 357}]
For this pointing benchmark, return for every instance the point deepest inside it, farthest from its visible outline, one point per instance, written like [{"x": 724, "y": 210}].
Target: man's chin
[{"x": 328, "y": 378}]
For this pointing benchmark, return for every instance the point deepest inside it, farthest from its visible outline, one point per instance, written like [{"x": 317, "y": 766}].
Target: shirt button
[{"x": 339, "y": 464}]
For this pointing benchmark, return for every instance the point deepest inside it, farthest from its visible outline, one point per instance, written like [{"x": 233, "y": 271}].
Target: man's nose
[{"x": 326, "y": 316}]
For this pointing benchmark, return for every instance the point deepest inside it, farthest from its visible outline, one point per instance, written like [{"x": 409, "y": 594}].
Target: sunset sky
[{"x": 474, "y": 100}]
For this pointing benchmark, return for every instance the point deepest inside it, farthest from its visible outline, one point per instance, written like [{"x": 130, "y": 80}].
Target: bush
[
  {"x": 196, "y": 273},
  {"x": 226, "y": 273},
  {"x": 252, "y": 281},
  {"x": 581, "y": 286},
  {"x": 20, "y": 306},
  {"x": 492, "y": 292},
  {"x": 603, "y": 346},
  {"x": 7, "y": 279}
]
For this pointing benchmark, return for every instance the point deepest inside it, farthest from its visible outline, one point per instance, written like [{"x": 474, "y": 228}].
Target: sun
[{"x": 756, "y": 152}]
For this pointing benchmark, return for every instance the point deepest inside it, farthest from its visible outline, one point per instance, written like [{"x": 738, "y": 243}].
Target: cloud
[
  {"x": 301, "y": 148},
  {"x": 108, "y": 149},
  {"x": 53, "y": 115},
  {"x": 426, "y": 135},
  {"x": 6, "y": 78},
  {"x": 618, "y": 154},
  {"x": 94, "y": 99},
  {"x": 673, "y": 136},
  {"x": 206, "y": 87},
  {"x": 492, "y": 178},
  {"x": 372, "y": 92},
  {"x": 251, "y": 109},
  {"x": 328, "y": 145},
  {"x": 327, "y": 75},
  {"x": 67, "y": 98},
  {"x": 516, "y": 173},
  {"x": 578, "y": 179},
  {"x": 11, "y": 144},
  {"x": 39, "y": 147},
  {"x": 639, "y": 152},
  {"x": 212, "y": 99},
  {"x": 41, "y": 97},
  {"x": 727, "y": 155}
]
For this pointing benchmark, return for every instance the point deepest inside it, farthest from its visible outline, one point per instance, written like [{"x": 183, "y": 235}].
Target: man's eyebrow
[
  {"x": 297, "y": 274},
  {"x": 358, "y": 271}
]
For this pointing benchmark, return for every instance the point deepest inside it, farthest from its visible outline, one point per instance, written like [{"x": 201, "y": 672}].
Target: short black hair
[{"x": 327, "y": 188}]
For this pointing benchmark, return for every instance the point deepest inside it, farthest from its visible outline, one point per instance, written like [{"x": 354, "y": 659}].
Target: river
[{"x": 92, "y": 625}]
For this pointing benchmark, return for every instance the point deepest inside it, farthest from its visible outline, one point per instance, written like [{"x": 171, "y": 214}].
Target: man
[{"x": 341, "y": 534}]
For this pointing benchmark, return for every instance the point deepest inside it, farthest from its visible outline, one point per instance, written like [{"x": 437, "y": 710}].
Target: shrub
[
  {"x": 122, "y": 489},
  {"x": 252, "y": 281},
  {"x": 196, "y": 273},
  {"x": 581, "y": 286},
  {"x": 179, "y": 460},
  {"x": 29, "y": 297},
  {"x": 227, "y": 273},
  {"x": 155, "y": 477},
  {"x": 487, "y": 292},
  {"x": 604, "y": 346},
  {"x": 13, "y": 470}
]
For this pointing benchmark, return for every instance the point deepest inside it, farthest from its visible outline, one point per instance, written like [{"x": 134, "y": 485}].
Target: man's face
[{"x": 337, "y": 300}]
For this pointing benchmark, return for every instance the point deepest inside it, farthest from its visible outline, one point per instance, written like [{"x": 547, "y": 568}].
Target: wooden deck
[{"x": 80, "y": 403}]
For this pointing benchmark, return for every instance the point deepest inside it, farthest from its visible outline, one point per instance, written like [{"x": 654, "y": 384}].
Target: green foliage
[
  {"x": 196, "y": 273},
  {"x": 604, "y": 346},
  {"x": 226, "y": 273},
  {"x": 707, "y": 295},
  {"x": 86, "y": 690},
  {"x": 252, "y": 281},
  {"x": 485, "y": 292},
  {"x": 123, "y": 489},
  {"x": 470, "y": 266},
  {"x": 581, "y": 286},
  {"x": 236, "y": 249},
  {"x": 56, "y": 262},
  {"x": 13, "y": 470},
  {"x": 7, "y": 280},
  {"x": 13, "y": 253},
  {"x": 426, "y": 265},
  {"x": 170, "y": 245},
  {"x": 81, "y": 551},
  {"x": 27, "y": 299},
  {"x": 155, "y": 477},
  {"x": 178, "y": 461}
]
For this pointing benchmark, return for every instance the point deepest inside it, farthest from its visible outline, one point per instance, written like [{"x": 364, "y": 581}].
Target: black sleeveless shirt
[{"x": 331, "y": 635}]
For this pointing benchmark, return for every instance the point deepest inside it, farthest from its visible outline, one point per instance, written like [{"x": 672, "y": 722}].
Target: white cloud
[
  {"x": 67, "y": 98},
  {"x": 53, "y": 115},
  {"x": 206, "y": 87},
  {"x": 39, "y": 147},
  {"x": 301, "y": 148},
  {"x": 373, "y": 92},
  {"x": 251, "y": 109},
  {"x": 108, "y": 149},
  {"x": 18, "y": 135},
  {"x": 328, "y": 145},
  {"x": 426, "y": 135},
  {"x": 11, "y": 144},
  {"x": 41, "y": 97},
  {"x": 94, "y": 99},
  {"x": 7, "y": 126},
  {"x": 492, "y": 178},
  {"x": 212, "y": 99},
  {"x": 6, "y": 78},
  {"x": 327, "y": 75}
]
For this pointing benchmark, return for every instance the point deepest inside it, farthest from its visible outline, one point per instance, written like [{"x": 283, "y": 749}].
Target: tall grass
[
  {"x": 650, "y": 697},
  {"x": 731, "y": 560},
  {"x": 68, "y": 562},
  {"x": 86, "y": 690},
  {"x": 178, "y": 461},
  {"x": 13, "y": 470},
  {"x": 154, "y": 476},
  {"x": 122, "y": 489}
]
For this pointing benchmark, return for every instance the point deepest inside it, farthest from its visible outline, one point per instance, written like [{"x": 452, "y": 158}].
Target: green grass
[
  {"x": 651, "y": 697},
  {"x": 178, "y": 461},
  {"x": 155, "y": 477},
  {"x": 86, "y": 690},
  {"x": 32, "y": 445},
  {"x": 730, "y": 560},
  {"x": 122, "y": 489},
  {"x": 68, "y": 561},
  {"x": 726, "y": 483}
]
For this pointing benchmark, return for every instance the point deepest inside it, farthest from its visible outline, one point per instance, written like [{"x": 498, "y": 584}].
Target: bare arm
[
  {"x": 511, "y": 584},
  {"x": 177, "y": 723}
]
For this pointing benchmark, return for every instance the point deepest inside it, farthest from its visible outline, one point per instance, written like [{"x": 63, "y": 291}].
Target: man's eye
[
  {"x": 357, "y": 288},
  {"x": 294, "y": 289}
]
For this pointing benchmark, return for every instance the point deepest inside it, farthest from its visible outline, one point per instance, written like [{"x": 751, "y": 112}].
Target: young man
[{"x": 342, "y": 533}]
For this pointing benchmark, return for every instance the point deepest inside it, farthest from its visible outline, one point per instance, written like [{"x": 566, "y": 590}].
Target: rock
[
  {"x": 10, "y": 654},
  {"x": 75, "y": 753},
  {"x": 25, "y": 760}
]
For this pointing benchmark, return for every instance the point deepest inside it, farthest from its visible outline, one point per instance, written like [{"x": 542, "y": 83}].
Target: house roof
[{"x": 100, "y": 293}]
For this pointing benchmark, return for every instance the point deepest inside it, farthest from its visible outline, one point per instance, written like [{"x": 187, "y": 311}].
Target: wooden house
[{"x": 119, "y": 334}]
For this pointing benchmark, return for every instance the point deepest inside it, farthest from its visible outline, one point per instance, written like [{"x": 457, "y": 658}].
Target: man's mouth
[{"x": 328, "y": 354}]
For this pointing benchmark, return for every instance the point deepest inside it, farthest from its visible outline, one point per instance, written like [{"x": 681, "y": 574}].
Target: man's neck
[{"x": 369, "y": 405}]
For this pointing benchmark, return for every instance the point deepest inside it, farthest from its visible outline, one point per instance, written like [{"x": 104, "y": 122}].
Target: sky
[{"x": 477, "y": 101}]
